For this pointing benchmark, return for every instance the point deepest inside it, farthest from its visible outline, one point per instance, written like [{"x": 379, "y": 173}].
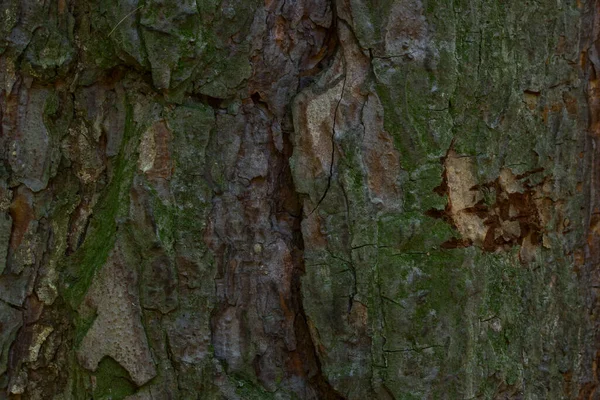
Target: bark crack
[{"x": 331, "y": 164}]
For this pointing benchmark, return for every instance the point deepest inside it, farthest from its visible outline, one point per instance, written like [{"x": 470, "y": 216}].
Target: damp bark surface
[{"x": 299, "y": 199}]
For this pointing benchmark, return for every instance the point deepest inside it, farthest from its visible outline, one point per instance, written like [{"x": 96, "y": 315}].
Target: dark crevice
[
  {"x": 215, "y": 103},
  {"x": 289, "y": 207},
  {"x": 255, "y": 97},
  {"x": 325, "y": 56},
  {"x": 305, "y": 345}
]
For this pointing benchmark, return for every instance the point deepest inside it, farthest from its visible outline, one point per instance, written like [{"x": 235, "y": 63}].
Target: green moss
[
  {"x": 81, "y": 324},
  {"x": 250, "y": 390},
  {"x": 413, "y": 232},
  {"x": 10, "y": 17},
  {"x": 165, "y": 220},
  {"x": 78, "y": 381},
  {"x": 101, "y": 234},
  {"x": 112, "y": 381}
]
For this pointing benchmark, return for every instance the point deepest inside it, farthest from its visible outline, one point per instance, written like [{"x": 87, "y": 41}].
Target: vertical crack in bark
[
  {"x": 305, "y": 345},
  {"x": 334, "y": 37},
  {"x": 332, "y": 147},
  {"x": 262, "y": 264},
  {"x": 305, "y": 342}
]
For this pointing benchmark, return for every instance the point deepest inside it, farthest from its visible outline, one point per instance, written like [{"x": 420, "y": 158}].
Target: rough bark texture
[{"x": 390, "y": 199}]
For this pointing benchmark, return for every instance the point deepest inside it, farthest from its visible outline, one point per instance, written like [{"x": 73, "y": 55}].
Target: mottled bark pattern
[{"x": 307, "y": 199}]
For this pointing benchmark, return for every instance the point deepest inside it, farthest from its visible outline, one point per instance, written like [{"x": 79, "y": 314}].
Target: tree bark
[{"x": 305, "y": 199}]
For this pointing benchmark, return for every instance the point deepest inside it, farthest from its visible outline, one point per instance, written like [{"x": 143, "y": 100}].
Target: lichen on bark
[{"x": 298, "y": 200}]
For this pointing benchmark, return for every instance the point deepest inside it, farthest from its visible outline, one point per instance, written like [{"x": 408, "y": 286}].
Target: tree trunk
[{"x": 390, "y": 199}]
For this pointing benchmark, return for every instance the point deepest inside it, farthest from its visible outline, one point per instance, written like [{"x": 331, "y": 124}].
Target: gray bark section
[{"x": 310, "y": 200}]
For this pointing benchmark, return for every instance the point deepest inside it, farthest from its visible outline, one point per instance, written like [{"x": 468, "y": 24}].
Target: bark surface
[{"x": 392, "y": 199}]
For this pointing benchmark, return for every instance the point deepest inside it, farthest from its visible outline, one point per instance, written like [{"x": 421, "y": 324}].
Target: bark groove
[{"x": 207, "y": 199}]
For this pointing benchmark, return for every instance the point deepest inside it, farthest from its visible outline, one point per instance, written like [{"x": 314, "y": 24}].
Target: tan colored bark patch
[
  {"x": 461, "y": 197},
  {"x": 39, "y": 335},
  {"x": 147, "y": 151},
  {"x": 155, "y": 153},
  {"x": 317, "y": 122},
  {"x": 500, "y": 214}
]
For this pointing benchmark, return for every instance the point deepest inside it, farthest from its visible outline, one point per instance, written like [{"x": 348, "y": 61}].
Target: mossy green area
[
  {"x": 482, "y": 319},
  {"x": 82, "y": 324},
  {"x": 83, "y": 264},
  {"x": 192, "y": 126},
  {"x": 457, "y": 323},
  {"x": 181, "y": 100},
  {"x": 250, "y": 390},
  {"x": 182, "y": 45},
  {"x": 112, "y": 382}
]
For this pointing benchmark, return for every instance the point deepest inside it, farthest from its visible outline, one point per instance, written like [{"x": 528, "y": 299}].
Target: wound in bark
[{"x": 496, "y": 215}]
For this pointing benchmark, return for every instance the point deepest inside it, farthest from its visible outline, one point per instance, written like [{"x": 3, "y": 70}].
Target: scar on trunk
[{"x": 496, "y": 215}]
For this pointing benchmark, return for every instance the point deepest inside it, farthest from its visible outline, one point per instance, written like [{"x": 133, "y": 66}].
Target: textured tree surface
[{"x": 235, "y": 199}]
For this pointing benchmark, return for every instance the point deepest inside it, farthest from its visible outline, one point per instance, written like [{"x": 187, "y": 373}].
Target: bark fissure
[
  {"x": 237, "y": 199},
  {"x": 302, "y": 331},
  {"x": 333, "y": 147}
]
